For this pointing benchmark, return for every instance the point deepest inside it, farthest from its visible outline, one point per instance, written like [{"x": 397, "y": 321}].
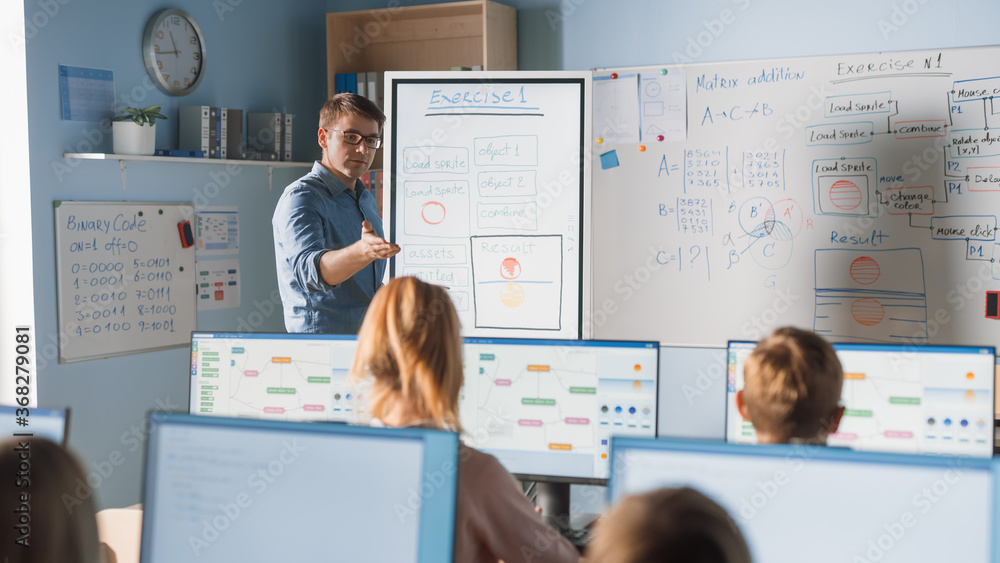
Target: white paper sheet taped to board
[{"x": 125, "y": 282}]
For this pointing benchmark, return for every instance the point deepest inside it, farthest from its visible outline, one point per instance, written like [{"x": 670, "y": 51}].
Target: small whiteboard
[
  {"x": 125, "y": 283},
  {"x": 489, "y": 195}
]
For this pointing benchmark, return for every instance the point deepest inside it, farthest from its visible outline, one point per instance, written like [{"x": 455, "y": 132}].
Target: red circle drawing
[
  {"x": 867, "y": 311},
  {"x": 510, "y": 268},
  {"x": 845, "y": 194},
  {"x": 865, "y": 270},
  {"x": 432, "y": 213}
]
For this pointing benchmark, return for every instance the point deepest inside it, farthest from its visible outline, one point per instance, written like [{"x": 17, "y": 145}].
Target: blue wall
[
  {"x": 265, "y": 56},
  {"x": 583, "y": 34},
  {"x": 260, "y": 56}
]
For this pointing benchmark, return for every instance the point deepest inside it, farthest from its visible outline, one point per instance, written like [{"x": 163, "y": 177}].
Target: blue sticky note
[{"x": 609, "y": 160}]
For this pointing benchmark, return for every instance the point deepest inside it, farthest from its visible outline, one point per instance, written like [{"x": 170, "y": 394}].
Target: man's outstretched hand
[{"x": 374, "y": 246}]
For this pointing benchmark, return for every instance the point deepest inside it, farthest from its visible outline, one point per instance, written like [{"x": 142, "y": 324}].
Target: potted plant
[{"x": 134, "y": 132}]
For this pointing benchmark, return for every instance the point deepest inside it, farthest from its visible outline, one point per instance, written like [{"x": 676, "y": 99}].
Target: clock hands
[{"x": 174, "y": 44}]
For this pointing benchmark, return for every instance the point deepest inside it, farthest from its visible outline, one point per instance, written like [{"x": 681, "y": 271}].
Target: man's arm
[{"x": 337, "y": 266}]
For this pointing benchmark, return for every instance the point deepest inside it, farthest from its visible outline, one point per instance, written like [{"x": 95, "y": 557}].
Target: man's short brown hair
[
  {"x": 349, "y": 103},
  {"x": 793, "y": 381}
]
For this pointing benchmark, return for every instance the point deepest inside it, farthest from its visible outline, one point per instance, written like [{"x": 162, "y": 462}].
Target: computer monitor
[
  {"x": 221, "y": 489},
  {"x": 546, "y": 409},
  {"x": 691, "y": 401},
  {"x": 818, "y": 504},
  {"x": 273, "y": 376},
  {"x": 40, "y": 423},
  {"x": 917, "y": 399}
]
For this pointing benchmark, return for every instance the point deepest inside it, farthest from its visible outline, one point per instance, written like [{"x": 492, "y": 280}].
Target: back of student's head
[
  {"x": 39, "y": 495},
  {"x": 679, "y": 525},
  {"x": 793, "y": 381},
  {"x": 410, "y": 344}
]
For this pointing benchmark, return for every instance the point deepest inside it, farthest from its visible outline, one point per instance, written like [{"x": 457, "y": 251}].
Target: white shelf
[{"x": 139, "y": 158}]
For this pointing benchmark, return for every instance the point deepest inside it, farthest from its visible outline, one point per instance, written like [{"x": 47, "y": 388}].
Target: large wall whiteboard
[
  {"x": 488, "y": 195},
  {"x": 125, "y": 283},
  {"x": 856, "y": 195}
]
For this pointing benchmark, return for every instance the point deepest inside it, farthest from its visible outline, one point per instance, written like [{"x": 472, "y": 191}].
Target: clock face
[{"x": 174, "y": 52}]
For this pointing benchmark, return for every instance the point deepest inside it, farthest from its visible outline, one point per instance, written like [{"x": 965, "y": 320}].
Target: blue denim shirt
[{"x": 315, "y": 214}]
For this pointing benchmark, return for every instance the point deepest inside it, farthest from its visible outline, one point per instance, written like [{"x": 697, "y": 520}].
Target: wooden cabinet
[{"x": 429, "y": 37}]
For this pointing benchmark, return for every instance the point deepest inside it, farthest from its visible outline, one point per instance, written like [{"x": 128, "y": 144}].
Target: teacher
[{"x": 328, "y": 238}]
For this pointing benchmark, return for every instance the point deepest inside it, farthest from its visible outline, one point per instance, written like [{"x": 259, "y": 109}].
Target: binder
[
  {"x": 340, "y": 83},
  {"x": 362, "y": 81},
  {"x": 286, "y": 137},
  {"x": 234, "y": 134},
  {"x": 372, "y": 92},
  {"x": 223, "y": 132},
  {"x": 380, "y": 90},
  {"x": 351, "y": 83},
  {"x": 254, "y": 154},
  {"x": 213, "y": 132},
  {"x": 193, "y": 128},
  {"x": 264, "y": 133},
  {"x": 179, "y": 153}
]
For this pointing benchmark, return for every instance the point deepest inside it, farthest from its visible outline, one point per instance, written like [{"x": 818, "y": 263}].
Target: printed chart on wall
[
  {"x": 126, "y": 282},
  {"x": 855, "y": 195},
  {"x": 489, "y": 195}
]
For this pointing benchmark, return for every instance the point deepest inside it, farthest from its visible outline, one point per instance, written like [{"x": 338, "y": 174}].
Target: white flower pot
[{"x": 129, "y": 138}]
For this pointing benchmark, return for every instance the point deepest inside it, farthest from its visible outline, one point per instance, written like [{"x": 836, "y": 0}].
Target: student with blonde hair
[
  {"x": 410, "y": 351},
  {"x": 792, "y": 386},
  {"x": 42, "y": 518},
  {"x": 680, "y": 525}
]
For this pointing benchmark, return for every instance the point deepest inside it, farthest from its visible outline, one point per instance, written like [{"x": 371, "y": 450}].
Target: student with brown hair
[
  {"x": 410, "y": 351},
  {"x": 792, "y": 386},
  {"x": 42, "y": 519},
  {"x": 680, "y": 525}
]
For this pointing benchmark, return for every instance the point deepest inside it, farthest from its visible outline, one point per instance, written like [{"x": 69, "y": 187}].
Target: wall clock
[{"x": 174, "y": 51}]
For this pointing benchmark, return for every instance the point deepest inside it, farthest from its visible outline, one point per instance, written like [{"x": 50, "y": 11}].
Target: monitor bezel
[
  {"x": 928, "y": 348},
  {"x": 812, "y": 451},
  {"x": 573, "y": 480},
  {"x": 444, "y": 498},
  {"x": 65, "y": 421}
]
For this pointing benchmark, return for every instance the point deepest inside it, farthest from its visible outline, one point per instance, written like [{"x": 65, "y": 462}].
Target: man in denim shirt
[{"x": 328, "y": 238}]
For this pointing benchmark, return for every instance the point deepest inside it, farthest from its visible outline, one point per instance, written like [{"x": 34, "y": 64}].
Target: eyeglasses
[{"x": 350, "y": 138}]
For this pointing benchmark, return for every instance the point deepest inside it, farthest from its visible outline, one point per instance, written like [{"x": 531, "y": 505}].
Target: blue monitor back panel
[
  {"x": 40, "y": 423},
  {"x": 692, "y": 393},
  {"x": 917, "y": 399},
  {"x": 818, "y": 504},
  {"x": 273, "y": 376},
  {"x": 223, "y": 489},
  {"x": 548, "y": 408}
]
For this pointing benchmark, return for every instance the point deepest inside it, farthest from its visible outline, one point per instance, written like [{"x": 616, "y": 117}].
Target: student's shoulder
[{"x": 477, "y": 465}]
